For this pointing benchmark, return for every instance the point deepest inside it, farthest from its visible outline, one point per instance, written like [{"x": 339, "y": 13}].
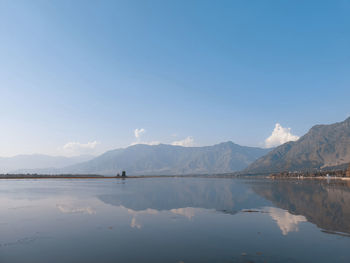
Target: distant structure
[
  {"x": 123, "y": 173},
  {"x": 348, "y": 171}
]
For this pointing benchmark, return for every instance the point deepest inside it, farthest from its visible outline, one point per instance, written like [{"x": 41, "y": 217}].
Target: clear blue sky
[{"x": 86, "y": 71}]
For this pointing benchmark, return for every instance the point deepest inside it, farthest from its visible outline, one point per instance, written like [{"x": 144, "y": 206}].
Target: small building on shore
[{"x": 348, "y": 171}]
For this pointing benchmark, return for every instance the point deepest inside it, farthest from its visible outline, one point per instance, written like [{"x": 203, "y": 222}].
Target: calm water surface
[{"x": 174, "y": 220}]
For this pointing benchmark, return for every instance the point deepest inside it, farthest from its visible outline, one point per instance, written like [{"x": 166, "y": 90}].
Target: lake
[{"x": 174, "y": 220}]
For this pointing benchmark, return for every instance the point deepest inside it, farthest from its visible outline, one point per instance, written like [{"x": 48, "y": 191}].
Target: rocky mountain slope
[{"x": 323, "y": 146}]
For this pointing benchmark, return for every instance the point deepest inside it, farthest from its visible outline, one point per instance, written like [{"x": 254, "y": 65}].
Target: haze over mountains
[
  {"x": 323, "y": 146},
  {"x": 162, "y": 159},
  {"x": 34, "y": 162}
]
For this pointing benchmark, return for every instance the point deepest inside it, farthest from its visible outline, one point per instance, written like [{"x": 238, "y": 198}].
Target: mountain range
[
  {"x": 323, "y": 147},
  {"x": 166, "y": 159},
  {"x": 162, "y": 159}
]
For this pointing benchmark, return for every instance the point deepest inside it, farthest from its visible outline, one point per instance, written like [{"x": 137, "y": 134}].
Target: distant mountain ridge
[
  {"x": 165, "y": 159},
  {"x": 323, "y": 146},
  {"x": 33, "y": 162}
]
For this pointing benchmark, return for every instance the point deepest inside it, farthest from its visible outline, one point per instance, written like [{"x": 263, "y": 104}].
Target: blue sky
[{"x": 86, "y": 74}]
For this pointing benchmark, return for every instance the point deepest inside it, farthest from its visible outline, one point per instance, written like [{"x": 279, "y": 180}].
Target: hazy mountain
[
  {"x": 34, "y": 162},
  {"x": 323, "y": 146},
  {"x": 170, "y": 160}
]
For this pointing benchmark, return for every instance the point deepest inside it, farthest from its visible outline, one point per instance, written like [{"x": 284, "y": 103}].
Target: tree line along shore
[
  {"x": 341, "y": 173},
  {"x": 59, "y": 176}
]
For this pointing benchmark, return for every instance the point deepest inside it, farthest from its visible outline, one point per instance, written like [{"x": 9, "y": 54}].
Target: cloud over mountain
[
  {"x": 323, "y": 146},
  {"x": 187, "y": 142},
  {"x": 139, "y": 132},
  {"x": 280, "y": 135}
]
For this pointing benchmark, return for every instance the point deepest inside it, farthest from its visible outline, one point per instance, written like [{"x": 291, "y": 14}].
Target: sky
[{"x": 83, "y": 77}]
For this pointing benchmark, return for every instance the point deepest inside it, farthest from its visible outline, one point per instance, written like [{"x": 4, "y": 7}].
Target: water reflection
[
  {"x": 139, "y": 213},
  {"x": 180, "y": 195},
  {"x": 286, "y": 221},
  {"x": 173, "y": 220},
  {"x": 70, "y": 209},
  {"x": 325, "y": 204},
  {"x": 188, "y": 212}
]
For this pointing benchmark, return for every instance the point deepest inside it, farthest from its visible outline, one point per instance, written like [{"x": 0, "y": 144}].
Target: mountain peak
[
  {"x": 323, "y": 146},
  {"x": 165, "y": 159}
]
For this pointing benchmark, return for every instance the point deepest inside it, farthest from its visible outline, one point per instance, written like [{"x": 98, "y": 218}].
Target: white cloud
[
  {"x": 153, "y": 143},
  {"x": 148, "y": 143},
  {"x": 279, "y": 136},
  {"x": 187, "y": 142},
  {"x": 139, "y": 132},
  {"x": 285, "y": 220},
  {"x": 75, "y": 148}
]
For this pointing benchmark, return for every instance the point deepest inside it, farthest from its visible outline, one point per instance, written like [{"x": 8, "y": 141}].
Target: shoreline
[
  {"x": 68, "y": 176},
  {"x": 309, "y": 178},
  {"x": 31, "y": 177}
]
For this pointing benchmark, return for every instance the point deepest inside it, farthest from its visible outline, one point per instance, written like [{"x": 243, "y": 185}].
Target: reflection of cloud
[
  {"x": 286, "y": 221},
  {"x": 134, "y": 224},
  {"x": 148, "y": 211},
  {"x": 66, "y": 209},
  {"x": 135, "y": 213},
  {"x": 188, "y": 212}
]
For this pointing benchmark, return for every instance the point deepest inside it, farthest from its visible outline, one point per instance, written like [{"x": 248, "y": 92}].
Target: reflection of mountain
[
  {"x": 225, "y": 195},
  {"x": 327, "y": 206}
]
